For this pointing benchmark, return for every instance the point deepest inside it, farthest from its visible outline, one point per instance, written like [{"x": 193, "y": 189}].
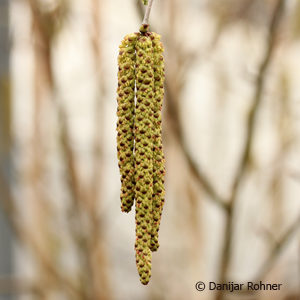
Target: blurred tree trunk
[{"x": 5, "y": 142}]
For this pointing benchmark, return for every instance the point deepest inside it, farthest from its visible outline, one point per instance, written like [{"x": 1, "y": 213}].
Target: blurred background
[{"x": 231, "y": 135}]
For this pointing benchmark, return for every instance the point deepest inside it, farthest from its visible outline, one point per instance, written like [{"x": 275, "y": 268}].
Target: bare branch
[
  {"x": 193, "y": 166},
  {"x": 277, "y": 250},
  {"x": 260, "y": 82},
  {"x": 200, "y": 177},
  {"x": 250, "y": 130}
]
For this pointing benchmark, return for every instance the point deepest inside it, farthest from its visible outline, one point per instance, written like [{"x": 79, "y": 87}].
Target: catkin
[
  {"x": 125, "y": 113},
  {"x": 140, "y": 154},
  {"x": 145, "y": 2},
  {"x": 144, "y": 155},
  {"x": 158, "y": 155}
]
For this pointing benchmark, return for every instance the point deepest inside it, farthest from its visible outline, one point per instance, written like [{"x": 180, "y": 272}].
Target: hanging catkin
[
  {"x": 144, "y": 155},
  {"x": 145, "y": 2},
  {"x": 158, "y": 155},
  {"x": 140, "y": 153},
  {"x": 125, "y": 113}
]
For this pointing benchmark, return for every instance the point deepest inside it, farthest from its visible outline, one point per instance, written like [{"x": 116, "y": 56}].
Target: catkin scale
[
  {"x": 125, "y": 124},
  {"x": 158, "y": 155},
  {"x": 143, "y": 132}
]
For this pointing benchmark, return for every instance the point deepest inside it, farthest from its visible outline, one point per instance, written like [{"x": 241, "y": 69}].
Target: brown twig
[{"x": 245, "y": 157}]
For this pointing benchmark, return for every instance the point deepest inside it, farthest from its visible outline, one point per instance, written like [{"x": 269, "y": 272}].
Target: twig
[
  {"x": 147, "y": 13},
  {"x": 258, "y": 97},
  {"x": 245, "y": 157},
  {"x": 277, "y": 250},
  {"x": 193, "y": 166},
  {"x": 200, "y": 177}
]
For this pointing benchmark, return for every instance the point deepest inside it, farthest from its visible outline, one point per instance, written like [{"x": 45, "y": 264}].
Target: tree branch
[
  {"x": 147, "y": 13},
  {"x": 193, "y": 166},
  {"x": 277, "y": 250},
  {"x": 260, "y": 82},
  {"x": 250, "y": 130}
]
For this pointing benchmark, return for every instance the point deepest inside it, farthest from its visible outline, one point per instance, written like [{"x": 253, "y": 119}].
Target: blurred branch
[
  {"x": 72, "y": 174},
  {"x": 196, "y": 171},
  {"x": 72, "y": 170},
  {"x": 274, "y": 254},
  {"x": 45, "y": 30},
  {"x": 98, "y": 254},
  {"x": 87, "y": 232},
  {"x": 96, "y": 43},
  {"x": 260, "y": 82},
  {"x": 17, "y": 286},
  {"x": 277, "y": 250},
  {"x": 250, "y": 130},
  {"x": 24, "y": 236}
]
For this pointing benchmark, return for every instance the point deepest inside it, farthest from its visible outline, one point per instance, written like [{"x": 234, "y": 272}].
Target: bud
[{"x": 144, "y": 28}]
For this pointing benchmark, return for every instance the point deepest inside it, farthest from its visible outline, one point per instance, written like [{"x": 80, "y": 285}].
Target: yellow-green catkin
[
  {"x": 158, "y": 155},
  {"x": 125, "y": 124},
  {"x": 145, "y": 2},
  {"x": 144, "y": 155}
]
